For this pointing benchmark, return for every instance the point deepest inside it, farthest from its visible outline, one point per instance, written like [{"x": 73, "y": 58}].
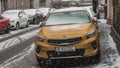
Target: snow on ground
[
  {"x": 16, "y": 40},
  {"x": 11, "y": 63},
  {"x": 109, "y": 54},
  {"x": 17, "y": 31},
  {"x": 9, "y": 43}
]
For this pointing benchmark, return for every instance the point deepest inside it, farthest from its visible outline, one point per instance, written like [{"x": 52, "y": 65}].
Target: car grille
[
  {"x": 78, "y": 52},
  {"x": 64, "y": 41}
]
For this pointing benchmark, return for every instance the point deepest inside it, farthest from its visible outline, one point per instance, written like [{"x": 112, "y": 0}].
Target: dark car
[
  {"x": 4, "y": 24},
  {"x": 34, "y": 15}
]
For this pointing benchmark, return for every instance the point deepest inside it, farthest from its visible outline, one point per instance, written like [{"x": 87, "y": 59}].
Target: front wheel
[
  {"x": 27, "y": 24},
  {"x": 8, "y": 29},
  {"x": 94, "y": 59},
  {"x": 17, "y": 26},
  {"x": 44, "y": 63}
]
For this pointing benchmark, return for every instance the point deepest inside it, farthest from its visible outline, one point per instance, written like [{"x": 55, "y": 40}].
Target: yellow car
[{"x": 67, "y": 35}]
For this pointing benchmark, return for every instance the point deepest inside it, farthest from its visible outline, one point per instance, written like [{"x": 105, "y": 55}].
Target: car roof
[
  {"x": 69, "y": 9},
  {"x": 13, "y": 10},
  {"x": 31, "y": 9}
]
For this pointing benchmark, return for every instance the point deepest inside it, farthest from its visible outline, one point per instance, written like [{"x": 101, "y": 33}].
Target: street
[{"x": 21, "y": 54}]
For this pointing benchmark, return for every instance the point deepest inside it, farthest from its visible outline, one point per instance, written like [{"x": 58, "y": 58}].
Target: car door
[
  {"x": 25, "y": 18},
  {"x": 21, "y": 19}
]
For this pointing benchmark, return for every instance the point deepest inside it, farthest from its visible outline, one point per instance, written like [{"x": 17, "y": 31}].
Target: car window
[
  {"x": 68, "y": 18},
  {"x": 21, "y": 14}
]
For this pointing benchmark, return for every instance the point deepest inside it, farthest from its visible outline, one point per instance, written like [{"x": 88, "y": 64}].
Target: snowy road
[
  {"x": 13, "y": 33},
  {"x": 109, "y": 54}
]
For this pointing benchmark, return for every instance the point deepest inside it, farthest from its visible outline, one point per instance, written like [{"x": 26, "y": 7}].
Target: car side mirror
[
  {"x": 20, "y": 16},
  {"x": 94, "y": 19}
]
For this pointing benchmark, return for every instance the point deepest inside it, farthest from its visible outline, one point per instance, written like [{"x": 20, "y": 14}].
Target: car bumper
[{"x": 47, "y": 51}]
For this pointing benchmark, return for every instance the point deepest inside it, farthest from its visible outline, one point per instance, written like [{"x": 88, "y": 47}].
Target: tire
[
  {"x": 98, "y": 16},
  {"x": 17, "y": 26},
  {"x": 8, "y": 29},
  {"x": 41, "y": 63},
  {"x": 95, "y": 59},
  {"x": 37, "y": 20},
  {"x": 27, "y": 24}
]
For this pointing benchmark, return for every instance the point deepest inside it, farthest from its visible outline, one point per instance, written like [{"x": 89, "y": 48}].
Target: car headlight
[
  {"x": 12, "y": 21},
  {"x": 90, "y": 34},
  {"x": 40, "y": 38}
]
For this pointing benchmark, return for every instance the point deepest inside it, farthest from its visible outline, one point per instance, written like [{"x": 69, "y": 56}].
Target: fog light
[{"x": 93, "y": 45}]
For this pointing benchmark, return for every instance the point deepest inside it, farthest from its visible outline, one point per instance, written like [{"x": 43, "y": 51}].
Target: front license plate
[{"x": 65, "y": 49}]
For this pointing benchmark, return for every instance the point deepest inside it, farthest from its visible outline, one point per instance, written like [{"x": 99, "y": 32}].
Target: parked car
[
  {"x": 90, "y": 10},
  {"x": 4, "y": 24},
  {"x": 18, "y": 18},
  {"x": 68, "y": 35},
  {"x": 35, "y": 15},
  {"x": 46, "y": 11}
]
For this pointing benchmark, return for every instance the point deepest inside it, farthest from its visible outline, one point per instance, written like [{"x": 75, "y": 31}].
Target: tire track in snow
[
  {"x": 19, "y": 33},
  {"x": 11, "y": 51}
]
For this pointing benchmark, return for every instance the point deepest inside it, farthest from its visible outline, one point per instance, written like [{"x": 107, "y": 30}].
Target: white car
[
  {"x": 45, "y": 11},
  {"x": 18, "y": 18},
  {"x": 32, "y": 14},
  {"x": 90, "y": 10}
]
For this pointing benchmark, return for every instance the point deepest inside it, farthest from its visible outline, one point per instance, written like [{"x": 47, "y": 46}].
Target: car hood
[
  {"x": 11, "y": 17},
  {"x": 30, "y": 15},
  {"x": 66, "y": 30}
]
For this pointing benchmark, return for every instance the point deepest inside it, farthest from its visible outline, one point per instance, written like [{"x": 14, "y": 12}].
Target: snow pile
[{"x": 109, "y": 55}]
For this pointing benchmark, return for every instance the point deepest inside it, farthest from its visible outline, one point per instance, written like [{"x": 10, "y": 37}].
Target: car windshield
[{"x": 67, "y": 18}]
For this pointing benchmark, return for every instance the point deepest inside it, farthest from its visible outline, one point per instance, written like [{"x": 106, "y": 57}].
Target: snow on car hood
[
  {"x": 80, "y": 29},
  {"x": 11, "y": 17}
]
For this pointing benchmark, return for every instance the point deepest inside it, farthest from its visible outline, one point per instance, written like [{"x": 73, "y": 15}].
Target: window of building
[{"x": 42, "y": 1}]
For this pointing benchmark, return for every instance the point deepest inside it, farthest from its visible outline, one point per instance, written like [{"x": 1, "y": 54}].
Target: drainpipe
[{"x": 105, "y": 7}]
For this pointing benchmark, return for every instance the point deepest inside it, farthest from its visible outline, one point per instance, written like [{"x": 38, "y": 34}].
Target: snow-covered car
[
  {"x": 4, "y": 24},
  {"x": 46, "y": 11},
  {"x": 68, "y": 36},
  {"x": 92, "y": 13},
  {"x": 18, "y": 18},
  {"x": 90, "y": 10},
  {"x": 35, "y": 15}
]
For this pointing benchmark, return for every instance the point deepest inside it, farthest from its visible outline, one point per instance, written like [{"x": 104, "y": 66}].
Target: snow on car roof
[
  {"x": 69, "y": 9},
  {"x": 13, "y": 10}
]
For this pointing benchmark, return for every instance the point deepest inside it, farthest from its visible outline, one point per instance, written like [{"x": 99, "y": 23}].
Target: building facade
[
  {"x": 18, "y": 4},
  {"x": 115, "y": 32},
  {"x": 109, "y": 11},
  {"x": 67, "y": 3}
]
